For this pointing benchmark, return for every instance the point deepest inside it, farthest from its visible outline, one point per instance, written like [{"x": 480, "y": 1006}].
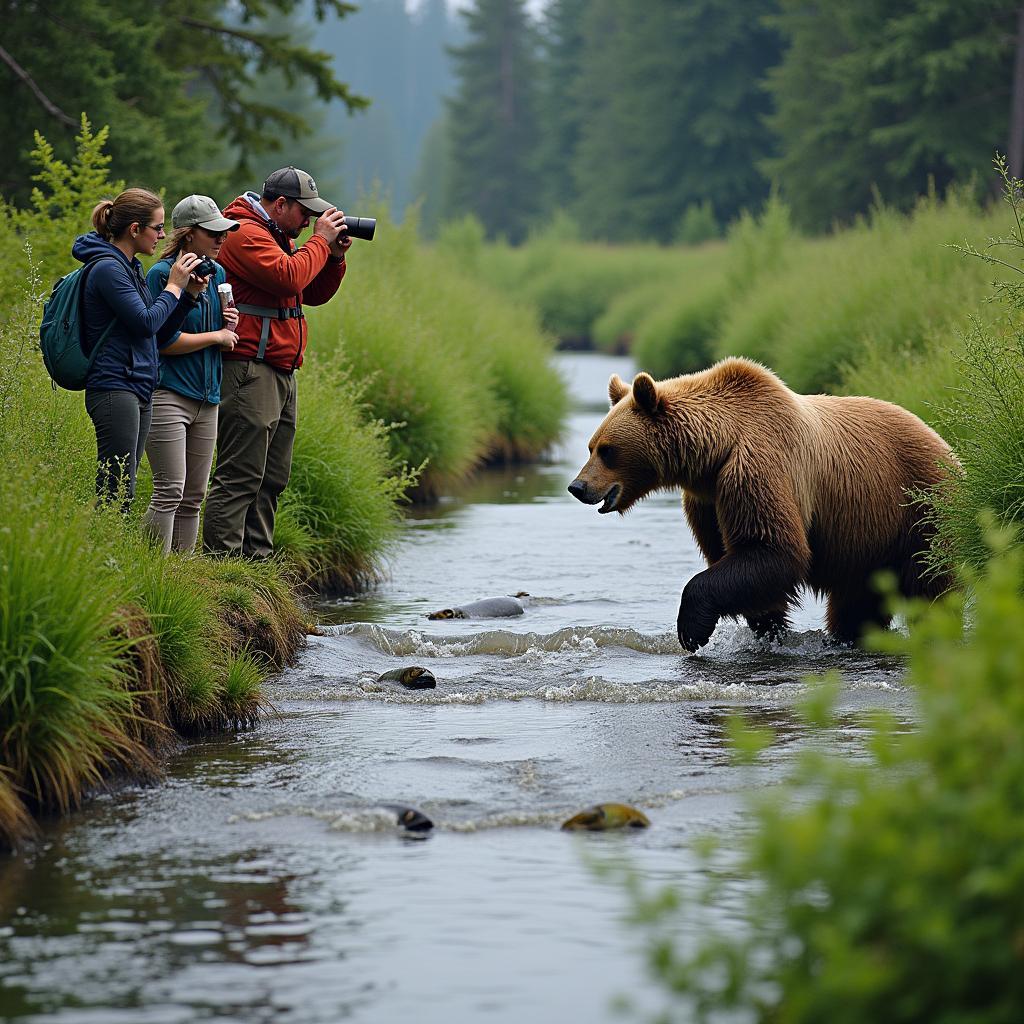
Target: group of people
[{"x": 186, "y": 365}]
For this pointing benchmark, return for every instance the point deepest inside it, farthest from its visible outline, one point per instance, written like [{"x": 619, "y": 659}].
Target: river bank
[{"x": 108, "y": 651}]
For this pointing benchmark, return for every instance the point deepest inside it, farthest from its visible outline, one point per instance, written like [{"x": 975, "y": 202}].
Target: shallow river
[{"x": 262, "y": 882}]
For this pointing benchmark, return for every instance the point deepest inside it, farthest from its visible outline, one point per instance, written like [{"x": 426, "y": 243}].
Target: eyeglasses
[
  {"x": 156, "y": 227},
  {"x": 218, "y": 235}
]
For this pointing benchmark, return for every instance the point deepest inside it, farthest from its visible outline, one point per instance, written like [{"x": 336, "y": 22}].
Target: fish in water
[
  {"x": 488, "y": 608},
  {"x": 607, "y": 816},
  {"x": 413, "y": 677},
  {"x": 410, "y": 819}
]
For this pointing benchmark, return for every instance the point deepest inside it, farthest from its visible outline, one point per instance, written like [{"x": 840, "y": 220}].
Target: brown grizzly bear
[{"x": 781, "y": 490}]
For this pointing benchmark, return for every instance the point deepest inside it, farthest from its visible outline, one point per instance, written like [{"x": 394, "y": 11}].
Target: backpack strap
[
  {"x": 268, "y": 314},
  {"x": 81, "y": 320}
]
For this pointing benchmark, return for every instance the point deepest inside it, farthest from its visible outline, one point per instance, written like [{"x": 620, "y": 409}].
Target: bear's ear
[
  {"x": 617, "y": 388},
  {"x": 645, "y": 393}
]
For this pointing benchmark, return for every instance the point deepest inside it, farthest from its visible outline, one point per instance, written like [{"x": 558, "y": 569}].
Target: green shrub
[
  {"x": 344, "y": 492},
  {"x": 676, "y": 336},
  {"x": 698, "y": 224},
  {"x": 615, "y": 329},
  {"x": 890, "y": 281},
  {"x": 985, "y": 414},
  {"x": 884, "y": 889},
  {"x": 63, "y": 701},
  {"x": 462, "y": 374}
]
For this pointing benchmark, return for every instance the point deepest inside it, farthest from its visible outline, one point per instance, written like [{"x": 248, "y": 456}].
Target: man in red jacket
[{"x": 271, "y": 280}]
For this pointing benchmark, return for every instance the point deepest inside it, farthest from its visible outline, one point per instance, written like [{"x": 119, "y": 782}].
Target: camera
[
  {"x": 361, "y": 227},
  {"x": 205, "y": 268}
]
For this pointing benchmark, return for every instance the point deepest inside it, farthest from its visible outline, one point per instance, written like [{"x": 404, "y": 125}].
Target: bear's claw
[{"x": 696, "y": 622}]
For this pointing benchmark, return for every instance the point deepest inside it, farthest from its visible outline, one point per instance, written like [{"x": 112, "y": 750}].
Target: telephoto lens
[{"x": 361, "y": 227}]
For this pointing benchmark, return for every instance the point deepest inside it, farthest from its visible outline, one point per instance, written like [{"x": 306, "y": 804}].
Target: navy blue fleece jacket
[{"x": 116, "y": 290}]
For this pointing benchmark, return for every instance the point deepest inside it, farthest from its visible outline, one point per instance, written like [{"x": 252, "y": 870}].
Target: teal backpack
[{"x": 62, "y": 331}]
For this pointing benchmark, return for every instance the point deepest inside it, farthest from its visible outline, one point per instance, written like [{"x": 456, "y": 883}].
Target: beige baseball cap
[
  {"x": 298, "y": 185},
  {"x": 203, "y": 212}
]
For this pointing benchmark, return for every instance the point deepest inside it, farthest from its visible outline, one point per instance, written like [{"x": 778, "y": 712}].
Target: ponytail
[
  {"x": 101, "y": 217},
  {"x": 112, "y": 217}
]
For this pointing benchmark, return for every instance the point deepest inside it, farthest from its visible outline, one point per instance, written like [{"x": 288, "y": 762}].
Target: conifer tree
[
  {"x": 171, "y": 80},
  {"x": 671, "y": 112},
  {"x": 558, "y": 114},
  {"x": 887, "y": 98},
  {"x": 492, "y": 120}
]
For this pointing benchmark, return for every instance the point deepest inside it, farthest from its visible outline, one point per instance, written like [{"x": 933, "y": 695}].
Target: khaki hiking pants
[
  {"x": 255, "y": 436},
  {"x": 180, "y": 452}
]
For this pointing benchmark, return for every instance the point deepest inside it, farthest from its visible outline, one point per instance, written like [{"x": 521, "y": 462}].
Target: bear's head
[{"x": 626, "y": 449}]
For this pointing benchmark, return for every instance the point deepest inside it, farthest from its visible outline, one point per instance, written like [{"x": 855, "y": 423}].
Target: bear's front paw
[{"x": 696, "y": 620}]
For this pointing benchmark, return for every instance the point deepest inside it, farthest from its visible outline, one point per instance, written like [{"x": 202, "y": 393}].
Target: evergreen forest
[{"x": 658, "y": 120}]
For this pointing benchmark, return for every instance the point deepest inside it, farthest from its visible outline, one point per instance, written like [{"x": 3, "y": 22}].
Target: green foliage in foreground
[{"x": 889, "y": 889}]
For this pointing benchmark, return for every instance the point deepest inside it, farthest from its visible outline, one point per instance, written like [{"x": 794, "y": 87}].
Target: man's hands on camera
[{"x": 330, "y": 226}]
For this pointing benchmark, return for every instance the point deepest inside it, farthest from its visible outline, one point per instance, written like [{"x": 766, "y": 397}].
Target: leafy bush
[
  {"x": 698, "y": 224},
  {"x": 887, "y": 889}
]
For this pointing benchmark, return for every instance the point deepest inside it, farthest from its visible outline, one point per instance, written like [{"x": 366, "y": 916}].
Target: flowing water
[{"x": 264, "y": 881}]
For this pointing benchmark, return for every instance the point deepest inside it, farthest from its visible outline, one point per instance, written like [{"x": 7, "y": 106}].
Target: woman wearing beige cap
[{"x": 184, "y": 430}]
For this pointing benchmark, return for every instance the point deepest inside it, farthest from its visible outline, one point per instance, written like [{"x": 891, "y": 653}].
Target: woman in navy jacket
[
  {"x": 119, "y": 387},
  {"x": 184, "y": 429}
]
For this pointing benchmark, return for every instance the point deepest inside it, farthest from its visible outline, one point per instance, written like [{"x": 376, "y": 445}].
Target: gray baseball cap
[
  {"x": 203, "y": 212},
  {"x": 298, "y": 185}
]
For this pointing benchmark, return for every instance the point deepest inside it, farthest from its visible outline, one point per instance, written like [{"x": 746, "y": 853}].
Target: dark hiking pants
[
  {"x": 255, "y": 435},
  {"x": 122, "y": 421}
]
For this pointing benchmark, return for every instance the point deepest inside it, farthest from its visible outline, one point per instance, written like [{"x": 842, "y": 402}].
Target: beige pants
[{"x": 180, "y": 452}]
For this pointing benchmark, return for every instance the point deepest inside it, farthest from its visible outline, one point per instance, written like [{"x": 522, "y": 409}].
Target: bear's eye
[{"x": 607, "y": 454}]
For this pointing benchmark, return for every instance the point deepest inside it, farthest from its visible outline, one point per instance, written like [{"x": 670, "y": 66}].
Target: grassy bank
[
  {"x": 464, "y": 371},
  {"x": 108, "y": 651}
]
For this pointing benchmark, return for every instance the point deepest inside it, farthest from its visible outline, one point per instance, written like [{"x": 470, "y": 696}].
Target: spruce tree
[
  {"x": 889, "y": 99},
  {"x": 171, "y": 80},
  {"x": 492, "y": 120},
  {"x": 671, "y": 113},
  {"x": 559, "y": 115}
]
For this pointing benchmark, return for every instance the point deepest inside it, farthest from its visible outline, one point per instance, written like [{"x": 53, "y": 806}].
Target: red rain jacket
[{"x": 264, "y": 269}]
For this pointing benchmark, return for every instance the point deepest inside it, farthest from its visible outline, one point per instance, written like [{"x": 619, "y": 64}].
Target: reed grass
[
  {"x": 461, "y": 374},
  {"x": 62, "y": 697}
]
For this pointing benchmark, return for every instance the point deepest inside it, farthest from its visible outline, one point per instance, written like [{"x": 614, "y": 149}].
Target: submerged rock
[
  {"x": 602, "y": 817},
  {"x": 413, "y": 677},
  {"x": 488, "y": 608},
  {"x": 410, "y": 819}
]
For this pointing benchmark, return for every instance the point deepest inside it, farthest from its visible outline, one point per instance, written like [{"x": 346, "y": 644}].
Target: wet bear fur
[{"x": 781, "y": 490}]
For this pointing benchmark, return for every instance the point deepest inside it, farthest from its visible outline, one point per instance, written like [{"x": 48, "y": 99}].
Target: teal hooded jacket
[{"x": 195, "y": 374}]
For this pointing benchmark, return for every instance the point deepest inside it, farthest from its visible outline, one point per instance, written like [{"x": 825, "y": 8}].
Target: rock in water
[
  {"x": 414, "y": 677},
  {"x": 410, "y": 819},
  {"x": 602, "y": 817},
  {"x": 488, "y": 608}
]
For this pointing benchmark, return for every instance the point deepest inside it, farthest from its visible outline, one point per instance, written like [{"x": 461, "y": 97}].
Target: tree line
[{"x": 664, "y": 119}]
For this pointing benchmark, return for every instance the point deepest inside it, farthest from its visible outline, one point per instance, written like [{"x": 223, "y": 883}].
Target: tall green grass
[
  {"x": 461, "y": 374},
  {"x": 62, "y": 696}
]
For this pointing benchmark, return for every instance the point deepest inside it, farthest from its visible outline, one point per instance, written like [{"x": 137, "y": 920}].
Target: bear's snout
[{"x": 578, "y": 489}]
